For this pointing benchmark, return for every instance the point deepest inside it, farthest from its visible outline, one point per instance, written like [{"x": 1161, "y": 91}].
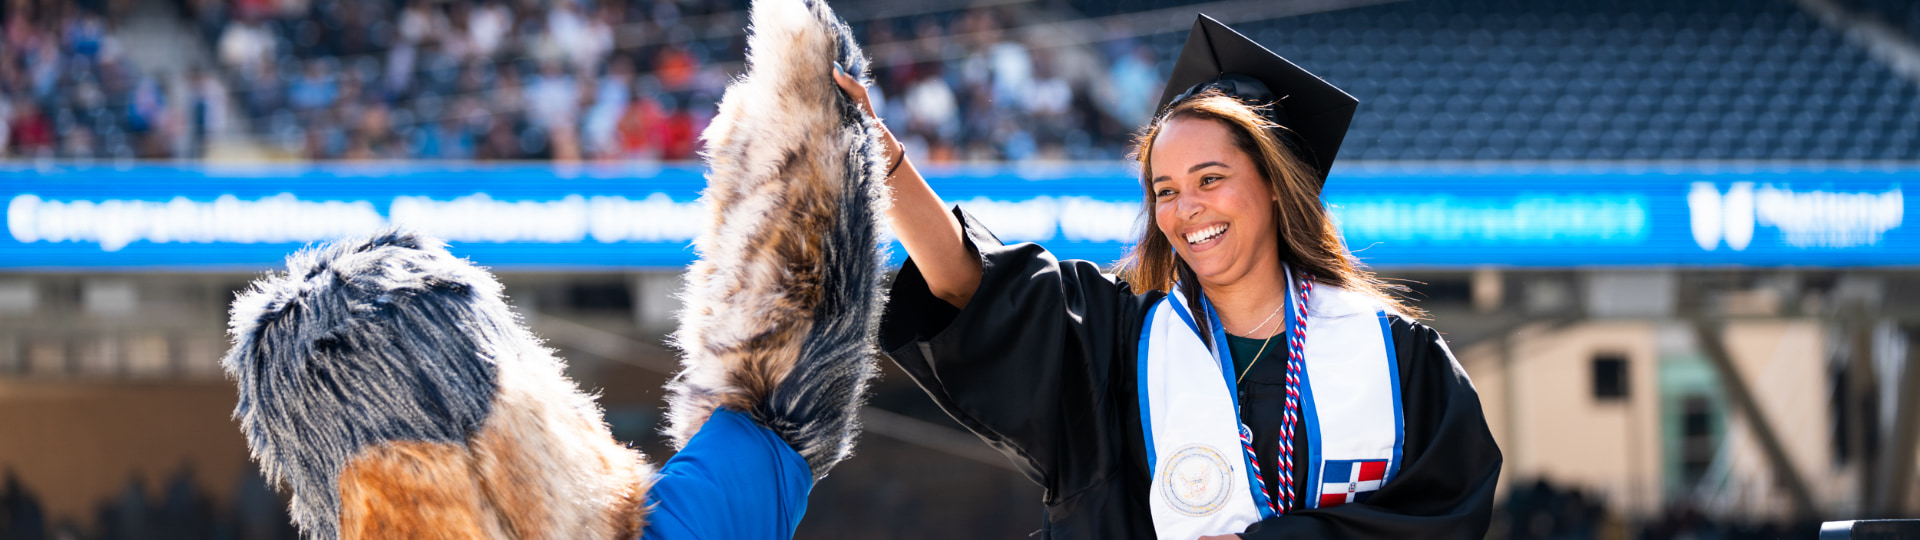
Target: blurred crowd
[
  {"x": 532, "y": 79},
  {"x": 467, "y": 79},
  {"x": 183, "y": 511},
  {"x": 976, "y": 89},
  {"x": 573, "y": 80},
  {"x": 1539, "y": 510},
  {"x": 66, "y": 89}
]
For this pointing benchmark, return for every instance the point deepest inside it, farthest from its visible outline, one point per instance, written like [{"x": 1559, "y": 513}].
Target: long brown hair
[{"x": 1309, "y": 240}]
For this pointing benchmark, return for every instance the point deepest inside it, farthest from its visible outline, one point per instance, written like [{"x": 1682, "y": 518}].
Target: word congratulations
[{"x": 286, "y": 218}]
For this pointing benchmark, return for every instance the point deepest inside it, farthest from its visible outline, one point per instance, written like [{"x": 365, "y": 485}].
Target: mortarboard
[{"x": 1218, "y": 57}]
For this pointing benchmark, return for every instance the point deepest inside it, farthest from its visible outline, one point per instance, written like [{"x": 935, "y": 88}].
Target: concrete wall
[
  {"x": 1785, "y": 365},
  {"x": 1539, "y": 401},
  {"x": 76, "y": 445}
]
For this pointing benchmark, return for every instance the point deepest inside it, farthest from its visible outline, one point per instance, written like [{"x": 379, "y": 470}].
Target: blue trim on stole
[
  {"x": 1311, "y": 414},
  {"x": 1140, "y": 387},
  {"x": 1222, "y": 354},
  {"x": 1307, "y": 495},
  {"x": 1399, "y": 420},
  {"x": 1184, "y": 316}
]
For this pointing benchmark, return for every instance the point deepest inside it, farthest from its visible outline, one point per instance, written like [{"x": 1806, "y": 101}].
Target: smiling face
[
  {"x": 1212, "y": 203},
  {"x": 1227, "y": 199}
]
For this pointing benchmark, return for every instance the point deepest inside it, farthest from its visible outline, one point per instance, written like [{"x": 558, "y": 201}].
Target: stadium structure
[{"x": 1667, "y": 239}]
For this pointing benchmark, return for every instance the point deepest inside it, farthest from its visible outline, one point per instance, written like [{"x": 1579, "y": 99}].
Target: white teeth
[{"x": 1205, "y": 234}]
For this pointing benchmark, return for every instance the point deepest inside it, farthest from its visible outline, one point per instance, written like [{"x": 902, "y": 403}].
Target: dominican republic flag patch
[{"x": 1347, "y": 481}]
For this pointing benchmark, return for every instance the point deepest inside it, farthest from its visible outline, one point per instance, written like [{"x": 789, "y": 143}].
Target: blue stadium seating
[
  {"x": 1903, "y": 15},
  {"x": 1633, "y": 79}
]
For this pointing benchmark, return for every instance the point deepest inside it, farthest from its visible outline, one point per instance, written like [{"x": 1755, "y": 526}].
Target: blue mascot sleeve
[{"x": 734, "y": 479}]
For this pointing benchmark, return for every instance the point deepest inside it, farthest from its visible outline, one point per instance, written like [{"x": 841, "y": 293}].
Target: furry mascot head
[{"x": 387, "y": 385}]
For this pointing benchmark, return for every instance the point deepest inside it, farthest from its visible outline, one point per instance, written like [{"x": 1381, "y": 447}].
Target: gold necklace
[{"x": 1263, "y": 344}]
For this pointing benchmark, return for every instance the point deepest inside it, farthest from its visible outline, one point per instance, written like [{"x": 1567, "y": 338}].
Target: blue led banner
[{"x": 526, "y": 217}]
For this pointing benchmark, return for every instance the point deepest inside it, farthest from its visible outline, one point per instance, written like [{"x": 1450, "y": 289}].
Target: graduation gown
[{"x": 1041, "y": 365}]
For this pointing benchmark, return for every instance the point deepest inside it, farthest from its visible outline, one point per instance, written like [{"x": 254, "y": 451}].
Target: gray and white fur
[
  {"x": 386, "y": 384},
  {"x": 361, "y": 342}
]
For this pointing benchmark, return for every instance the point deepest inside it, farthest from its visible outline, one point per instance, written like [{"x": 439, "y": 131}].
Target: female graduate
[{"x": 1242, "y": 375}]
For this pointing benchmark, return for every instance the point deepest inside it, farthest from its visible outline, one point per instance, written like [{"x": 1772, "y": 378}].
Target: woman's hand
[
  {"x": 930, "y": 233},
  {"x": 893, "y": 152}
]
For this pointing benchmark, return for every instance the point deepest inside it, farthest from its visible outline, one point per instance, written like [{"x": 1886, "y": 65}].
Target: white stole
[{"x": 1189, "y": 412}]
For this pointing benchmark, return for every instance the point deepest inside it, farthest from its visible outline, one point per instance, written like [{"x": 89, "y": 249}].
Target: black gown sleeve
[
  {"x": 1030, "y": 365},
  {"x": 1445, "y": 488}
]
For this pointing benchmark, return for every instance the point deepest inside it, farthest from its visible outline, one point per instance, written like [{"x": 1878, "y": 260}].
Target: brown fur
[
  {"x": 538, "y": 469},
  {"x": 415, "y": 490},
  {"x": 788, "y": 168},
  {"x": 551, "y": 468}
]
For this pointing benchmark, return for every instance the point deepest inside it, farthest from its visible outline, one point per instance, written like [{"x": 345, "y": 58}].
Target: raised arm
[{"x": 923, "y": 224}]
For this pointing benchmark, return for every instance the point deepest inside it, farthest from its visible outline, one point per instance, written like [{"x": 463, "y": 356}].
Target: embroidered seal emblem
[{"x": 1196, "y": 480}]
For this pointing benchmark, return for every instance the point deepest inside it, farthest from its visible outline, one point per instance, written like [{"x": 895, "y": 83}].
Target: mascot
[{"x": 385, "y": 383}]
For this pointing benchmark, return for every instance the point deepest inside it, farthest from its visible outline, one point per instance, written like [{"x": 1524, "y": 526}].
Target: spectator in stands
[
  {"x": 674, "y": 131},
  {"x": 635, "y": 139},
  {"x": 146, "y": 112},
  {"x": 932, "y": 109},
  {"x": 207, "y": 112},
  {"x": 314, "y": 89},
  {"x": 1012, "y": 73},
  {"x": 675, "y": 68},
  {"x": 553, "y": 99},
  {"x": 43, "y": 70},
  {"x": 185, "y": 512},
  {"x": 80, "y": 143},
  {"x": 246, "y": 45},
  {"x": 506, "y": 97},
  {"x": 264, "y": 93},
  {"x": 610, "y": 98},
  {"x": 6, "y": 126},
  {"x": 129, "y": 514},
  {"x": 30, "y": 132},
  {"x": 585, "y": 39},
  {"x": 438, "y": 140},
  {"x": 372, "y": 137},
  {"x": 85, "y": 35},
  {"x": 1131, "y": 84},
  {"x": 487, "y": 26},
  {"x": 257, "y": 511},
  {"x": 498, "y": 142},
  {"x": 1050, "y": 107},
  {"x": 421, "y": 24},
  {"x": 20, "y": 513}
]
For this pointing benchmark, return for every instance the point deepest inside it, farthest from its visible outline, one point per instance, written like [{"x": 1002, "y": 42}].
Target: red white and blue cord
[
  {"x": 1253, "y": 462},
  {"x": 1296, "y": 361}
]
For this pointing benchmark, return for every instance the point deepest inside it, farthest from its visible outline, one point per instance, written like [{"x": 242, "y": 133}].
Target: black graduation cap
[{"x": 1218, "y": 57}]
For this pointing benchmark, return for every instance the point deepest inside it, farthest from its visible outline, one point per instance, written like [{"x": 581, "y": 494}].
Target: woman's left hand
[{"x": 858, "y": 93}]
